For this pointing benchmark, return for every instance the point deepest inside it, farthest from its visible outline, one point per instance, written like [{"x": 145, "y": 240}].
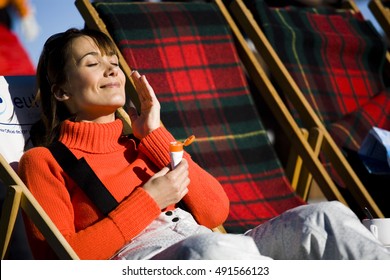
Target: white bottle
[{"x": 176, "y": 150}]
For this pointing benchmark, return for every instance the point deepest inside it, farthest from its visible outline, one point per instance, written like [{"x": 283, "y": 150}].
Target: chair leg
[
  {"x": 8, "y": 217},
  {"x": 305, "y": 180},
  {"x": 219, "y": 229},
  {"x": 381, "y": 14},
  {"x": 301, "y": 179},
  {"x": 294, "y": 164}
]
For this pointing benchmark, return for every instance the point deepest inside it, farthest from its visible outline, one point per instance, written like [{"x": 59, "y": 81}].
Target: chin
[{"x": 118, "y": 101}]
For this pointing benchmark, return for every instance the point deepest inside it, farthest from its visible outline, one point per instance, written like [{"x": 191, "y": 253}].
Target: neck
[
  {"x": 91, "y": 136},
  {"x": 96, "y": 119}
]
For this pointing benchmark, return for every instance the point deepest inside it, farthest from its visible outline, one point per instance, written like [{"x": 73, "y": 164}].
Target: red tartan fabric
[
  {"x": 375, "y": 112},
  {"x": 337, "y": 61},
  {"x": 13, "y": 57},
  {"x": 187, "y": 53}
]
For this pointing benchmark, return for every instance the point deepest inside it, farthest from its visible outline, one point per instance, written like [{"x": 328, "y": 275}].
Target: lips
[{"x": 111, "y": 85}]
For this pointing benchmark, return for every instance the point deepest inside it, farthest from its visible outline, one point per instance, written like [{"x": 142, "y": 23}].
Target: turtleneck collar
[{"x": 92, "y": 137}]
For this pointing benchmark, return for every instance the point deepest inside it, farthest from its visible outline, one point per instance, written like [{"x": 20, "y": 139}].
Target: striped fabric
[
  {"x": 188, "y": 55},
  {"x": 337, "y": 59}
]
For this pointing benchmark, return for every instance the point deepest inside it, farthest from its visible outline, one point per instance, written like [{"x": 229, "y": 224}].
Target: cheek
[
  {"x": 122, "y": 77},
  {"x": 83, "y": 89},
  {"x": 78, "y": 83},
  {"x": 88, "y": 81}
]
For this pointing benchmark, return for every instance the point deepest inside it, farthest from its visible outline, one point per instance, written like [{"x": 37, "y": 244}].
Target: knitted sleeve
[
  {"x": 206, "y": 199},
  {"x": 44, "y": 178}
]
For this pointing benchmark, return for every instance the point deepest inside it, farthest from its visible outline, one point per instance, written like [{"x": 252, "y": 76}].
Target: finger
[
  {"x": 148, "y": 88},
  {"x": 180, "y": 177},
  {"x": 180, "y": 167},
  {"x": 183, "y": 164},
  {"x": 161, "y": 173},
  {"x": 135, "y": 75},
  {"x": 185, "y": 191},
  {"x": 181, "y": 171},
  {"x": 141, "y": 87},
  {"x": 145, "y": 90}
]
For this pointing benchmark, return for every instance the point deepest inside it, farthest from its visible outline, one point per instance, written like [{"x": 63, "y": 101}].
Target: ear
[{"x": 59, "y": 93}]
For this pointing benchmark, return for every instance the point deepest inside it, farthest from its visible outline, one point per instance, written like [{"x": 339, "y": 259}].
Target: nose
[{"x": 111, "y": 70}]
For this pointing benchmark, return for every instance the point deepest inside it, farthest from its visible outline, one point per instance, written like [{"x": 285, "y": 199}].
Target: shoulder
[
  {"x": 36, "y": 151},
  {"x": 37, "y": 162},
  {"x": 36, "y": 155}
]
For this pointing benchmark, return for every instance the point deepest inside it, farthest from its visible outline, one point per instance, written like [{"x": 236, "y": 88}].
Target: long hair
[{"x": 51, "y": 70}]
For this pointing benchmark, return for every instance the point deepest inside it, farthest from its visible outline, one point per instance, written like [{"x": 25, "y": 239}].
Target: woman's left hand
[{"x": 149, "y": 117}]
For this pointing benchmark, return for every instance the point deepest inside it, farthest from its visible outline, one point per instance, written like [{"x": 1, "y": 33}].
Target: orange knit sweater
[{"x": 123, "y": 168}]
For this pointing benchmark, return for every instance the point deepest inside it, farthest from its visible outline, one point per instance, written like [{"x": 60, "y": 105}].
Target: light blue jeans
[{"x": 326, "y": 230}]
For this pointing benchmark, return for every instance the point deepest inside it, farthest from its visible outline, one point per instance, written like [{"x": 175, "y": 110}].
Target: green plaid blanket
[
  {"x": 187, "y": 53},
  {"x": 337, "y": 59}
]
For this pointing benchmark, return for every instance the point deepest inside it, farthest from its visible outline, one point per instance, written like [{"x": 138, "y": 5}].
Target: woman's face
[{"x": 95, "y": 87}]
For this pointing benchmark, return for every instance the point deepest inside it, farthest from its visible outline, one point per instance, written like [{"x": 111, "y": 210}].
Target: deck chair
[
  {"x": 16, "y": 117},
  {"x": 188, "y": 54},
  {"x": 356, "y": 97}
]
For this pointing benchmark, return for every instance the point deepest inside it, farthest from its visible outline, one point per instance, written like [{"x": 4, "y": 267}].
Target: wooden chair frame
[
  {"x": 382, "y": 15},
  {"x": 289, "y": 87},
  {"x": 19, "y": 197}
]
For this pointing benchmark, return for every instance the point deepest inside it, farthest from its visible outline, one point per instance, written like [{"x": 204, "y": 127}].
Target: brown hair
[{"x": 52, "y": 70}]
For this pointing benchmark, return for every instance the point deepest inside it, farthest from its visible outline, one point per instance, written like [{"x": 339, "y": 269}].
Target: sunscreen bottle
[{"x": 176, "y": 150}]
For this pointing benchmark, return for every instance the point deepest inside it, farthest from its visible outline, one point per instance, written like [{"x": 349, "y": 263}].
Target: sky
[{"x": 55, "y": 16}]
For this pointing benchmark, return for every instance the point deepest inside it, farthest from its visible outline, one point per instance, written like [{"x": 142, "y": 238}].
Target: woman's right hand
[
  {"x": 149, "y": 117},
  {"x": 168, "y": 187}
]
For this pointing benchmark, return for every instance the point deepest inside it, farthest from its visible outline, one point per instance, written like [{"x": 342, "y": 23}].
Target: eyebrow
[{"x": 85, "y": 55}]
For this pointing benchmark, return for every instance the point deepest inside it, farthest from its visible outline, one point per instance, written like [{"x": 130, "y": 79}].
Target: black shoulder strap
[{"x": 80, "y": 171}]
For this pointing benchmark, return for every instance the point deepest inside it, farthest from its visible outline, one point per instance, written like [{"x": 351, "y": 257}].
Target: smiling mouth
[{"x": 111, "y": 85}]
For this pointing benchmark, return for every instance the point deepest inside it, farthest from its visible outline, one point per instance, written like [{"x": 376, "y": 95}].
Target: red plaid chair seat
[{"x": 186, "y": 51}]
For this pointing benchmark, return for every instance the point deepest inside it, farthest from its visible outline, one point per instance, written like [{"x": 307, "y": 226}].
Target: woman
[{"x": 80, "y": 89}]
